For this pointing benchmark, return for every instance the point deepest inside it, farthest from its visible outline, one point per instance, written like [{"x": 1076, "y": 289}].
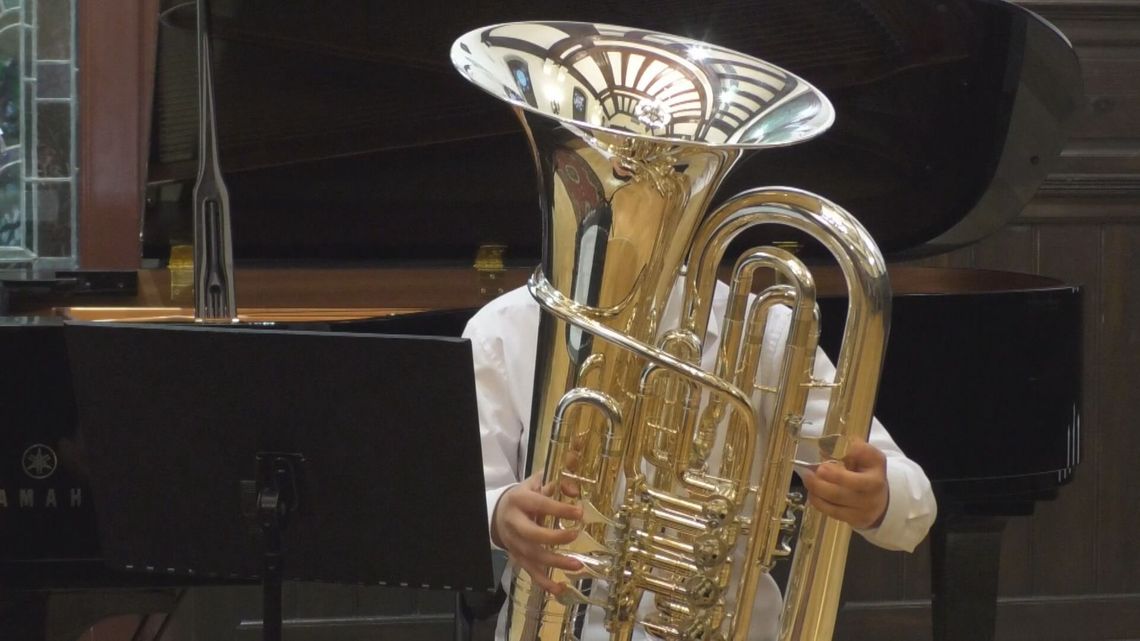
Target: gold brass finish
[
  {"x": 490, "y": 266},
  {"x": 181, "y": 268},
  {"x": 489, "y": 258},
  {"x": 682, "y": 471}
]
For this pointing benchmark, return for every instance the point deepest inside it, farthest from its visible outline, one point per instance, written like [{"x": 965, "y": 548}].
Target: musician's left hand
[{"x": 855, "y": 490}]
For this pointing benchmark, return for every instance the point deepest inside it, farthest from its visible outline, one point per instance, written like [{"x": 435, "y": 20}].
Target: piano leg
[{"x": 965, "y": 555}]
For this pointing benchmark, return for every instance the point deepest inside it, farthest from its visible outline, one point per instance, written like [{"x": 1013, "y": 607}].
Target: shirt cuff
[
  {"x": 493, "y": 497},
  {"x": 892, "y": 532}
]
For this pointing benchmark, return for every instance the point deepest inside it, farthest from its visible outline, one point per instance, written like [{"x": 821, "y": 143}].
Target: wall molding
[
  {"x": 1081, "y": 209},
  {"x": 1102, "y": 159},
  {"x": 1077, "y": 10},
  {"x": 1102, "y": 185}
]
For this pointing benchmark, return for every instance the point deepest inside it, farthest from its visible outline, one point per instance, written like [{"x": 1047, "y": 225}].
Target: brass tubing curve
[
  {"x": 686, "y": 346},
  {"x": 570, "y": 312},
  {"x": 581, "y": 396},
  {"x": 857, "y": 375},
  {"x": 798, "y": 357}
]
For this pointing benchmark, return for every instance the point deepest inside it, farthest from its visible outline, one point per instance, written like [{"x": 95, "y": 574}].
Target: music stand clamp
[
  {"x": 362, "y": 476},
  {"x": 269, "y": 500}
]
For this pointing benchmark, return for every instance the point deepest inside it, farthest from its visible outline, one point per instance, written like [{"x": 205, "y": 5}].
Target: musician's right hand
[{"x": 515, "y": 528}]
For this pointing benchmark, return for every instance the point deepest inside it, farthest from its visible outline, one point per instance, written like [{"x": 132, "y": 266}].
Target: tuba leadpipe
[{"x": 681, "y": 471}]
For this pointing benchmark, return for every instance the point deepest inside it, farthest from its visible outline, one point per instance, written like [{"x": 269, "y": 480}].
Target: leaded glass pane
[
  {"x": 54, "y": 29},
  {"x": 53, "y": 140},
  {"x": 53, "y": 80},
  {"x": 37, "y": 133},
  {"x": 53, "y": 228}
]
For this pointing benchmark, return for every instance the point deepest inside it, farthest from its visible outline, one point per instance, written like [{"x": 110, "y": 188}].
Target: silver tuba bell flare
[{"x": 683, "y": 480}]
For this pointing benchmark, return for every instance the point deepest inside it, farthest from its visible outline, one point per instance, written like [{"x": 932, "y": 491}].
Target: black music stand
[{"x": 236, "y": 453}]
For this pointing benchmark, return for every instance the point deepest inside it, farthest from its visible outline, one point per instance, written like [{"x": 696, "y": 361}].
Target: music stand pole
[{"x": 277, "y": 496}]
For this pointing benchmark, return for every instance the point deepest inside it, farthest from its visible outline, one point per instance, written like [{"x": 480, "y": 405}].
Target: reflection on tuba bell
[{"x": 682, "y": 480}]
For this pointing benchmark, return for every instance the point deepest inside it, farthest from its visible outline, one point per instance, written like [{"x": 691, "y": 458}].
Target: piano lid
[{"x": 345, "y": 134}]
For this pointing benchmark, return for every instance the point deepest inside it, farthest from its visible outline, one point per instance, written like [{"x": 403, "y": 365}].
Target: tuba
[{"x": 682, "y": 469}]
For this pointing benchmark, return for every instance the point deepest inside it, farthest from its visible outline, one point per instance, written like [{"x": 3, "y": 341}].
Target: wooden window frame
[{"x": 116, "y": 56}]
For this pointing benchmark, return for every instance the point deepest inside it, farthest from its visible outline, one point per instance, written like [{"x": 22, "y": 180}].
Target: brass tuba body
[{"x": 683, "y": 480}]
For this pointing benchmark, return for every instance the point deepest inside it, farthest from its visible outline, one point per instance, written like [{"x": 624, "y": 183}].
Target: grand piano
[{"x": 344, "y": 136}]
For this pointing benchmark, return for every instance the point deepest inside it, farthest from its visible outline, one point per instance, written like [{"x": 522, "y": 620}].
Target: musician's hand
[
  {"x": 855, "y": 491},
  {"x": 515, "y": 528}
]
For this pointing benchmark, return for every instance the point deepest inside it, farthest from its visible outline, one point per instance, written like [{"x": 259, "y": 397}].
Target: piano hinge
[
  {"x": 490, "y": 267},
  {"x": 181, "y": 268}
]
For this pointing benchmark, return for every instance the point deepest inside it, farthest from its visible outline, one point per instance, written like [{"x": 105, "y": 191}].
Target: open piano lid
[{"x": 345, "y": 134}]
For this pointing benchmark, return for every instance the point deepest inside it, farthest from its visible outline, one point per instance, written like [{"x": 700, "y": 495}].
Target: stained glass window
[{"x": 38, "y": 113}]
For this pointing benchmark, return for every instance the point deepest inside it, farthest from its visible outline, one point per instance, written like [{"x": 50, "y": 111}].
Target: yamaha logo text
[{"x": 39, "y": 463}]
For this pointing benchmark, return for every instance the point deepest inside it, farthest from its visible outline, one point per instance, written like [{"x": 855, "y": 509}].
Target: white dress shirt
[{"x": 503, "y": 340}]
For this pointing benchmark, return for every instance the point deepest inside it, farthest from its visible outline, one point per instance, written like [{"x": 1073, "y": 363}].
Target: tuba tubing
[{"x": 812, "y": 596}]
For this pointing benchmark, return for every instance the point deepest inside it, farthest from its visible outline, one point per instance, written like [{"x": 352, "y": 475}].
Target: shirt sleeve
[
  {"x": 500, "y": 427},
  {"x": 911, "y": 507}
]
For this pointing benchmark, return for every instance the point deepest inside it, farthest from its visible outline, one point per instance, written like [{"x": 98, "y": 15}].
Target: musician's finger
[
  {"x": 538, "y": 575},
  {"x": 530, "y": 531},
  {"x": 537, "y": 504}
]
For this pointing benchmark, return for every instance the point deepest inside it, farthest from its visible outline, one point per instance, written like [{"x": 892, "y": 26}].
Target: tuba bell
[{"x": 682, "y": 478}]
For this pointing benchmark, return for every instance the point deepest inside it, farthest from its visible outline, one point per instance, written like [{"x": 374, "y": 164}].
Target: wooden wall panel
[
  {"x": 1098, "y": 185},
  {"x": 1102, "y": 157},
  {"x": 1065, "y": 531},
  {"x": 871, "y": 574},
  {"x": 1016, "y": 569},
  {"x": 1118, "y": 537},
  {"x": 916, "y": 573}
]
